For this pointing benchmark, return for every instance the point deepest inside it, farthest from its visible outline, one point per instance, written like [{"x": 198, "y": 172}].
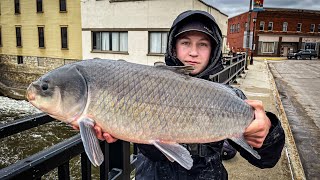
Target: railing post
[
  {"x": 85, "y": 167},
  {"x": 120, "y": 159},
  {"x": 104, "y": 167},
  {"x": 64, "y": 171}
]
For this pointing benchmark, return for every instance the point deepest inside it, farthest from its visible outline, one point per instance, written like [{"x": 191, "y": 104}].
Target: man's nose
[{"x": 193, "y": 51}]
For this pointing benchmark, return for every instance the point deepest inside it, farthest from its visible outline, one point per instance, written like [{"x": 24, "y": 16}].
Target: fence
[
  {"x": 234, "y": 66},
  {"x": 118, "y": 160}
]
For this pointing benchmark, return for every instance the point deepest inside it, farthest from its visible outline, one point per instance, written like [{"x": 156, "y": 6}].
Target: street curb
[{"x": 295, "y": 165}]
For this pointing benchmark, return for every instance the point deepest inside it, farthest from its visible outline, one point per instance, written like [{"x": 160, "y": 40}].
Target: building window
[
  {"x": 285, "y": 27},
  {"x": 246, "y": 26},
  {"x": 299, "y": 27},
  {"x": 261, "y": 26},
  {"x": 0, "y": 37},
  {"x": 238, "y": 27},
  {"x": 20, "y": 59},
  {"x": 312, "y": 27},
  {"x": 158, "y": 42},
  {"x": 39, "y": 6},
  {"x": 270, "y": 26},
  {"x": 318, "y": 27},
  {"x": 17, "y": 6},
  {"x": 41, "y": 37},
  {"x": 311, "y": 46},
  {"x": 64, "y": 37},
  {"x": 18, "y": 36},
  {"x": 63, "y": 5},
  {"x": 110, "y": 41},
  {"x": 268, "y": 47}
]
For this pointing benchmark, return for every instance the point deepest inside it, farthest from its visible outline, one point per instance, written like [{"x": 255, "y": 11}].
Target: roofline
[
  {"x": 212, "y": 7},
  {"x": 291, "y": 9},
  {"x": 279, "y": 9}
]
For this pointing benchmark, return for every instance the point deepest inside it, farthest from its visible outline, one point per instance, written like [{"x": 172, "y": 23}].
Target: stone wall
[{"x": 19, "y": 76}]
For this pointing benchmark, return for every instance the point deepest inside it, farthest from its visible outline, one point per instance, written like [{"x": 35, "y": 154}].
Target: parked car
[{"x": 303, "y": 54}]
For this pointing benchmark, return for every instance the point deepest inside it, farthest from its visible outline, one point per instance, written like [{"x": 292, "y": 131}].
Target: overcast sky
[{"x": 235, "y": 7}]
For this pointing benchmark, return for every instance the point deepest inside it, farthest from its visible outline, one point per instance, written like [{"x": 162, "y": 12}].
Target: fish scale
[{"x": 145, "y": 104}]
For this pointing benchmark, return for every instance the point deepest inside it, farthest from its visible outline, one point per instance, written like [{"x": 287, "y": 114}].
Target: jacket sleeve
[{"x": 271, "y": 149}]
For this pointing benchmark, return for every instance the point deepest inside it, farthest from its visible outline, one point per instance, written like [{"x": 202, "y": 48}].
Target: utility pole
[{"x": 248, "y": 35}]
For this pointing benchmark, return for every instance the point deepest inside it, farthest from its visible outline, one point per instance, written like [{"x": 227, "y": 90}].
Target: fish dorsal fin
[{"x": 186, "y": 70}]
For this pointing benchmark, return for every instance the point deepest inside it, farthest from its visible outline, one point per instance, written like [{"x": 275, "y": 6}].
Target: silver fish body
[{"x": 144, "y": 104}]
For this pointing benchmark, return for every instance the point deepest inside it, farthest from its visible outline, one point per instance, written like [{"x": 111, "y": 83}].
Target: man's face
[{"x": 194, "y": 48}]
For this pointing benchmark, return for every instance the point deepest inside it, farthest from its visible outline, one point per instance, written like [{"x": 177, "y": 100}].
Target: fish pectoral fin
[
  {"x": 243, "y": 143},
  {"x": 175, "y": 152},
  {"x": 90, "y": 141}
]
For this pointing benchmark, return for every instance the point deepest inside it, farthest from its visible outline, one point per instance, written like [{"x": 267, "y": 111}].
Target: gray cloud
[{"x": 235, "y": 7}]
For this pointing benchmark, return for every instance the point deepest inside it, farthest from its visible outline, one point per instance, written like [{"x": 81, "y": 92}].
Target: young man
[{"x": 195, "y": 39}]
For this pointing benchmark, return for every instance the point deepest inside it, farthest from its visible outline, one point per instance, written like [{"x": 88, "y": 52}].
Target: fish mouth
[{"x": 30, "y": 95}]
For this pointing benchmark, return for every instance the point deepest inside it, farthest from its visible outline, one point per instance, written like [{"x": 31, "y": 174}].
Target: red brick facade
[{"x": 278, "y": 41}]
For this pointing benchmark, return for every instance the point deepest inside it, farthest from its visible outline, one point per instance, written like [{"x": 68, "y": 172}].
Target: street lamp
[
  {"x": 248, "y": 35},
  {"x": 253, "y": 47}
]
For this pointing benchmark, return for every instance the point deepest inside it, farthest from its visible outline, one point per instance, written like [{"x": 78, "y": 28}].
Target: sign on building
[{"x": 258, "y": 5}]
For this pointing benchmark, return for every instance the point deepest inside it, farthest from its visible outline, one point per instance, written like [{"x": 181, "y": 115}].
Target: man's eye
[
  {"x": 203, "y": 44},
  {"x": 185, "y": 43}
]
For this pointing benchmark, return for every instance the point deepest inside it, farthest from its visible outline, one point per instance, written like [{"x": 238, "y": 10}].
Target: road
[{"x": 298, "y": 83}]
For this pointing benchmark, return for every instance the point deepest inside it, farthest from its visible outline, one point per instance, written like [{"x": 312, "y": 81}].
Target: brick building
[{"x": 277, "y": 31}]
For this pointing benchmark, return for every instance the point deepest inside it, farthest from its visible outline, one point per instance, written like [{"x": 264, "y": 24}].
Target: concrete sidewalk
[{"x": 257, "y": 84}]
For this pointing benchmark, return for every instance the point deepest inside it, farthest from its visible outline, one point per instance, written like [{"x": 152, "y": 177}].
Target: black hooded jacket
[{"x": 151, "y": 164}]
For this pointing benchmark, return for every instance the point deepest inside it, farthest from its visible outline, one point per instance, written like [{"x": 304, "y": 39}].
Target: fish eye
[{"x": 44, "y": 86}]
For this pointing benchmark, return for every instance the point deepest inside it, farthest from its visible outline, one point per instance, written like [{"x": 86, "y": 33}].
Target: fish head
[{"x": 61, "y": 93}]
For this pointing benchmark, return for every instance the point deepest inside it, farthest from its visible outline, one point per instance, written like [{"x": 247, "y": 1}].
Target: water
[{"x": 26, "y": 143}]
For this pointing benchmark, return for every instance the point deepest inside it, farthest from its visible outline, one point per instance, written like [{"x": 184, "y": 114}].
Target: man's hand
[
  {"x": 257, "y": 131},
  {"x": 100, "y": 135},
  {"x": 103, "y": 135}
]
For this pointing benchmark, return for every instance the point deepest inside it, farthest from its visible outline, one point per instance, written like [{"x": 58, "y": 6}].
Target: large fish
[{"x": 160, "y": 105}]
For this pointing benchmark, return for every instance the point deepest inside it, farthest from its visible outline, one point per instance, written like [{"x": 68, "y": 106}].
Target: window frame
[
  {"x": 300, "y": 27},
  {"x": 63, "y": 5},
  {"x": 62, "y": 37},
  {"x": 312, "y": 27},
  {"x": 17, "y": 8},
  {"x": 285, "y": 27},
  {"x": 271, "y": 26},
  {"x": 19, "y": 59},
  {"x": 18, "y": 36},
  {"x": 262, "y": 49},
  {"x": 161, "y": 45},
  {"x": 0, "y": 36},
  {"x": 262, "y": 23},
  {"x": 110, "y": 44},
  {"x": 39, "y": 6},
  {"x": 39, "y": 38}
]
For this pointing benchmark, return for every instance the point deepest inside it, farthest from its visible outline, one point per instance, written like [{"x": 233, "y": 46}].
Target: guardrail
[
  {"x": 118, "y": 160},
  {"x": 117, "y": 166},
  {"x": 234, "y": 66}
]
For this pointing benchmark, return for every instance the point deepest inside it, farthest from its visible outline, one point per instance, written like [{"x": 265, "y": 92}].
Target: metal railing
[
  {"x": 117, "y": 166},
  {"x": 233, "y": 67},
  {"x": 118, "y": 160}
]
